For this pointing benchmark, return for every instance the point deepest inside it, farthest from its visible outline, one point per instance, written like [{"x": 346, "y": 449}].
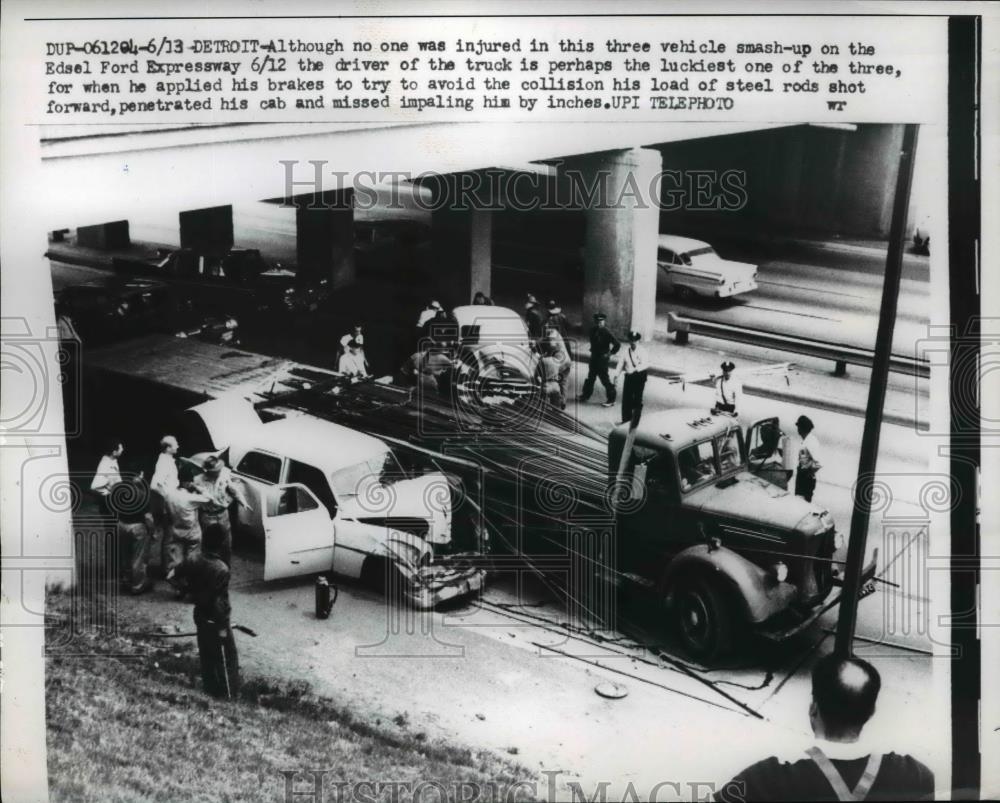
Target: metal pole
[{"x": 876, "y": 399}]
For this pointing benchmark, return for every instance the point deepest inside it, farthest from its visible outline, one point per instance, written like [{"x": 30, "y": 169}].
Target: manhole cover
[{"x": 613, "y": 691}]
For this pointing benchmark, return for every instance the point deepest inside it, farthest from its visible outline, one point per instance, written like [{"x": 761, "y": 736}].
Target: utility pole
[{"x": 876, "y": 399}]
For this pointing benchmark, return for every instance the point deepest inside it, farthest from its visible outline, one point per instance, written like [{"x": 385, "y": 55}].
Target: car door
[
  {"x": 299, "y": 536},
  {"x": 768, "y": 451}
]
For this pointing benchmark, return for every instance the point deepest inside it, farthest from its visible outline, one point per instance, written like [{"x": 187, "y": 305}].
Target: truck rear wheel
[{"x": 704, "y": 619}]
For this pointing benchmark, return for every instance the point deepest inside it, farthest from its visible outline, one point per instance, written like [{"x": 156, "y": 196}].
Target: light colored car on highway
[{"x": 689, "y": 268}]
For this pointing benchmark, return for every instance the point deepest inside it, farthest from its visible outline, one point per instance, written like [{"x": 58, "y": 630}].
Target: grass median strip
[{"x": 127, "y": 721}]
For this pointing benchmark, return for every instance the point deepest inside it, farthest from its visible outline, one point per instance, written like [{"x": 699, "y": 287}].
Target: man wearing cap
[
  {"x": 842, "y": 766},
  {"x": 556, "y": 320},
  {"x": 727, "y": 390},
  {"x": 427, "y": 313},
  {"x": 216, "y": 482},
  {"x": 603, "y": 345},
  {"x": 633, "y": 363},
  {"x": 534, "y": 317},
  {"x": 206, "y": 575},
  {"x": 809, "y": 459},
  {"x": 182, "y": 506}
]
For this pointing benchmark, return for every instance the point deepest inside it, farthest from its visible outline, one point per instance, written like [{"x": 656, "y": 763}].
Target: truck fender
[{"x": 758, "y": 594}]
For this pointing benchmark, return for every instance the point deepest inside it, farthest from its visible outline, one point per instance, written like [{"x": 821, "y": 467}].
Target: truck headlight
[
  {"x": 780, "y": 571},
  {"x": 722, "y": 280}
]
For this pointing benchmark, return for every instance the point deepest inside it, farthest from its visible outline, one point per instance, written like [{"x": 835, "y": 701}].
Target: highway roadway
[{"x": 826, "y": 290}]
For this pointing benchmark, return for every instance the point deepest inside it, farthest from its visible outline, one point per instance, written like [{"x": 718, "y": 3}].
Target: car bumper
[
  {"x": 442, "y": 582},
  {"x": 736, "y": 288}
]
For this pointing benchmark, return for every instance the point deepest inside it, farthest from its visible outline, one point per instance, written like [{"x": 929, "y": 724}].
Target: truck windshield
[{"x": 697, "y": 465}]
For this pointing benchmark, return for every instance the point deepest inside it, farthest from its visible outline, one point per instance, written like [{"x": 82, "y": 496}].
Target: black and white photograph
[{"x": 498, "y": 403}]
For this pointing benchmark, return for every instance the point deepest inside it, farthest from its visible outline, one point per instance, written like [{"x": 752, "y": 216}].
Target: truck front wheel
[{"x": 704, "y": 619}]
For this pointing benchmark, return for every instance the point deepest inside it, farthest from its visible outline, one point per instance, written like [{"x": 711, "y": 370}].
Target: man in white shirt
[
  {"x": 809, "y": 459},
  {"x": 353, "y": 364},
  {"x": 164, "y": 481},
  {"x": 165, "y": 474},
  {"x": 633, "y": 363},
  {"x": 108, "y": 474},
  {"x": 727, "y": 390}
]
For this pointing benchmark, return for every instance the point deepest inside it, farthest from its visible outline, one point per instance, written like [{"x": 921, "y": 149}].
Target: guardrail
[{"x": 840, "y": 355}]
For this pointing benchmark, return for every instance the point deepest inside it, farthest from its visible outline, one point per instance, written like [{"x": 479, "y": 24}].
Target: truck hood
[{"x": 768, "y": 505}]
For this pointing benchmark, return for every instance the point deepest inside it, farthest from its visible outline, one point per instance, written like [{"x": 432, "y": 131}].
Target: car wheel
[
  {"x": 704, "y": 619},
  {"x": 684, "y": 293}
]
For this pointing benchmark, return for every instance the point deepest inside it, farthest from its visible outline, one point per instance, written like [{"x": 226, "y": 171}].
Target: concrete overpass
[{"x": 201, "y": 170}]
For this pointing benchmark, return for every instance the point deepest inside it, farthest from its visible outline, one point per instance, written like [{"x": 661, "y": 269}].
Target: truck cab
[
  {"x": 324, "y": 497},
  {"x": 707, "y": 520}
]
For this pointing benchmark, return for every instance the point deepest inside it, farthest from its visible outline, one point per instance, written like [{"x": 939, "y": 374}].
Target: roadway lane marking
[
  {"x": 789, "y": 312},
  {"x": 817, "y": 289}
]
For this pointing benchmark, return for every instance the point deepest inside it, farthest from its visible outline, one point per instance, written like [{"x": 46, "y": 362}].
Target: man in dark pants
[
  {"x": 603, "y": 345},
  {"x": 809, "y": 462},
  {"x": 207, "y": 578},
  {"x": 844, "y": 693},
  {"x": 633, "y": 363}
]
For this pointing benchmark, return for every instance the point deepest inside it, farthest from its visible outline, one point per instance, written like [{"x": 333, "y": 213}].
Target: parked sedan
[{"x": 688, "y": 268}]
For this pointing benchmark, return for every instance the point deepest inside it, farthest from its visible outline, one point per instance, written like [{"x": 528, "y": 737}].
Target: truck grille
[{"x": 814, "y": 578}]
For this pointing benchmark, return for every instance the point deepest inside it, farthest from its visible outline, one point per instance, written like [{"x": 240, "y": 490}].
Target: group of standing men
[
  {"x": 632, "y": 363},
  {"x": 183, "y": 516}
]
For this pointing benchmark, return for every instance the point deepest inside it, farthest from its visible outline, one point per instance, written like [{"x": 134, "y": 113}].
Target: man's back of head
[{"x": 844, "y": 691}]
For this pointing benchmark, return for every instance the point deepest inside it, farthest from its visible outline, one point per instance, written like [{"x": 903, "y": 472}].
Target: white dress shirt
[
  {"x": 631, "y": 361},
  {"x": 165, "y": 477},
  {"x": 809, "y": 453},
  {"x": 353, "y": 364},
  {"x": 727, "y": 391},
  {"x": 107, "y": 474}
]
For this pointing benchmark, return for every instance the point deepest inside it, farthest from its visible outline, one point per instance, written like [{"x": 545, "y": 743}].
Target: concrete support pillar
[
  {"x": 463, "y": 253},
  {"x": 208, "y": 232},
  {"x": 619, "y": 266},
  {"x": 324, "y": 237}
]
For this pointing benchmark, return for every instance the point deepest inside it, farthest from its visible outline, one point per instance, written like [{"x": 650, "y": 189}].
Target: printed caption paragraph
[{"x": 154, "y": 71}]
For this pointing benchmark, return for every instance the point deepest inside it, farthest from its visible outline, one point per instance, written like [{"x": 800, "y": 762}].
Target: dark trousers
[
  {"x": 635, "y": 384},
  {"x": 220, "y": 666},
  {"x": 597, "y": 368},
  {"x": 805, "y": 484},
  {"x": 225, "y": 549},
  {"x": 133, "y": 543}
]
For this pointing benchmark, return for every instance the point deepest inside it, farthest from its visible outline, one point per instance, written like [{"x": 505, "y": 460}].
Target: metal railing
[{"x": 839, "y": 354}]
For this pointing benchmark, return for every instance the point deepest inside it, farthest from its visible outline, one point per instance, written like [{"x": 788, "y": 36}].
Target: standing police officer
[
  {"x": 207, "y": 577},
  {"x": 603, "y": 345}
]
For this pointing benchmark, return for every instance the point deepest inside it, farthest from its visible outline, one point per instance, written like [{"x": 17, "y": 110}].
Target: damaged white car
[{"x": 324, "y": 497}]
